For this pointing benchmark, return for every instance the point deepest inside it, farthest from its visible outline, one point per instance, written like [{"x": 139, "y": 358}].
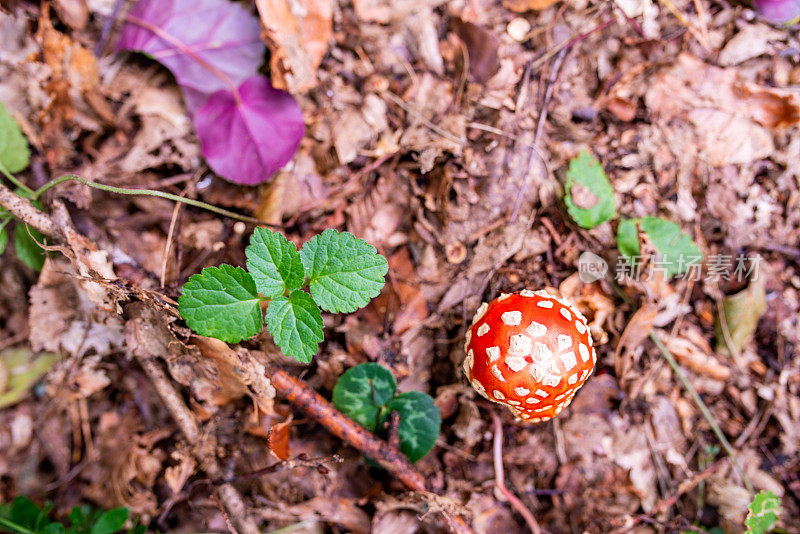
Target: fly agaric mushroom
[{"x": 529, "y": 351}]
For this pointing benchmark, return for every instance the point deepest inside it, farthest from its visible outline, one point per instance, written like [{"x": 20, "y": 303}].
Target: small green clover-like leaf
[
  {"x": 110, "y": 521},
  {"x": 589, "y": 196},
  {"x": 222, "y": 302},
  {"x": 26, "y": 243},
  {"x": 362, "y": 391},
  {"x": 419, "y": 422},
  {"x": 14, "y": 151},
  {"x": 676, "y": 250},
  {"x": 344, "y": 272},
  {"x": 763, "y": 513},
  {"x": 295, "y": 323},
  {"x": 274, "y": 263}
]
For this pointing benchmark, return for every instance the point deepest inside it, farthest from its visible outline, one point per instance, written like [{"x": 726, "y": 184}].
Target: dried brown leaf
[
  {"x": 635, "y": 333},
  {"x": 732, "y": 117},
  {"x": 482, "y": 47},
  {"x": 741, "y": 314},
  {"x": 299, "y": 32},
  {"x": 521, "y": 6},
  {"x": 279, "y": 440}
]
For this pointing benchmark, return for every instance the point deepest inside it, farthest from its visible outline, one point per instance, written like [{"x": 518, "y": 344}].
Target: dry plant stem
[
  {"x": 500, "y": 478},
  {"x": 705, "y": 411},
  {"x": 22, "y": 209},
  {"x": 556, "y": 68},
  {"x": 229, "y": 496},
  {"x": 315, "y": 406}
]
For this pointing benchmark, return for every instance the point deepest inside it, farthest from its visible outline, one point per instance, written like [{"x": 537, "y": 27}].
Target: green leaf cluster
[
  {"x": 23, "y": 516},
  {"x": 14, "y": 157},
  {"x": 763, "y": 513},
  {"x": 343, "y": 274},
  {"x": 675, "y": 248},
  {"x": 366, "y": 394},
  {"x": 586, "y": 177},
  {"x": 597, "y": 196}
]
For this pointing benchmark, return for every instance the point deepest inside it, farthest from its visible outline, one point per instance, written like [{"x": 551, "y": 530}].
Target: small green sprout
[
  {"x": 343, "y": 274},
  {"x": 366, "y": 394}
]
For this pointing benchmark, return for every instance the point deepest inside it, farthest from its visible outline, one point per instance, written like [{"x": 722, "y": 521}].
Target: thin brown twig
[
  {"x": 320, "y": 410},
  {"x": 338, "y": 424},
  {"x": 141, "y": 345},
  {"x": 500, "y": 480},
  {"x": 556, "y": 68}
]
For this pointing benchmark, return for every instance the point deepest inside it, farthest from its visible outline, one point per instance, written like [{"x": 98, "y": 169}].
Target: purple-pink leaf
[
  {"x": 209, "y": 45},
  {"x": 779, "y": 10},
  {"x": 246, "y": 141}
]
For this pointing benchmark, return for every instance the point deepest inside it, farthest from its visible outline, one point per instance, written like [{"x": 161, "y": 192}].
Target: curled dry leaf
[
  {"x": 279, "y": 440},
  {"x": 741, "y": 313},
  {"x": 63, "y": 318},
  {"x": 696, "y": 355},
  {"x": 299, "y": 31},
  {"x": 482, "y": 48},
  {"x": 227, "y": 385},
  {"x": 634, "y": 334}
]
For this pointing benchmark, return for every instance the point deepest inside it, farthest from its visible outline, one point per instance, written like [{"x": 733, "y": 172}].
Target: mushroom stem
[{"x": 500, "y": 480}]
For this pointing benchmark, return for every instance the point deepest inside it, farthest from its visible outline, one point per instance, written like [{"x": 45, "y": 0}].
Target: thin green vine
[
  {"x": 14, "y": 180},
  {"x": 149, "y": 192}
]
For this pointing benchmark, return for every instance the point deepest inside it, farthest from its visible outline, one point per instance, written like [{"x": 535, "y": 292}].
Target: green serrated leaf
[
  {"x": 110, "y": 521},
  {"x": 295, "y": 323},
  {"x": 222, "y": 302},
  {"x": 344, "y": 272},
  {"x": 589, "y": 196},
  {"x": 362, "y": 391},
  {"x": 14, "y": 152},
  {"x": 419, "y": 422},
  {"x": 676, "y": 250},
  {"x": 26, "y": 243},
  {"x": 763, "y": 513},
  {"x": 274, "y": 263}
]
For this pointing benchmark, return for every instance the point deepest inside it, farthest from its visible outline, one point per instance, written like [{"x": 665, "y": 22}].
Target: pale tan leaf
[
  {"x": 299, "y": 33},
  {"x": 742, "y": 312}
]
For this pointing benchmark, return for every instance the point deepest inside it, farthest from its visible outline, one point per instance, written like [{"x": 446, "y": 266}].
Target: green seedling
[
  {"x": 342, "y": 273},
  {"x": 14, "y": 157},
  {"x": 366, "y": 394},
  {"x": 763, "y": 513},
  {"x": 588, "y": 194},
  {"x": 24, "y": 517}
]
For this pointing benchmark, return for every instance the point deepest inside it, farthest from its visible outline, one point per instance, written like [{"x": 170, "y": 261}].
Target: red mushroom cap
[{"x": 529, "y": 351}]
